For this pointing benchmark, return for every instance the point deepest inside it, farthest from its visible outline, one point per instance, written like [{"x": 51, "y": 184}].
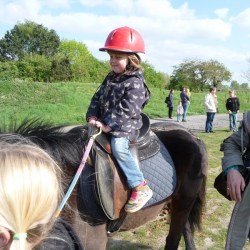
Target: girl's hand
[
  {"x": 92, "y": 122},
  {"x": 104, "y": 128}
]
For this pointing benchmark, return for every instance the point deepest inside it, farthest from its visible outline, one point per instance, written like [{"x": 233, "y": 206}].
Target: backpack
[{"x": 167, "y": 100}]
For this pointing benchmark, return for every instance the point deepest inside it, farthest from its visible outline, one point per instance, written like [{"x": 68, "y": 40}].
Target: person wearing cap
[{"x": 117, "y": 105}]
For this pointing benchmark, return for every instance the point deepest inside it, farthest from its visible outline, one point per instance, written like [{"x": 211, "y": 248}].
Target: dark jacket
[
  {"x": 171, "y": 100},
  {"x": 234, "y": 146},
  {"x": 233, "y": 104},
  {"x": 62, "y": 237},
  {"x": 184, "y": 97},
  {"x": 118, "y": 103}
]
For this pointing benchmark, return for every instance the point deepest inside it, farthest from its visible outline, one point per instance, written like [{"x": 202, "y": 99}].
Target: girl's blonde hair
[
  {"x": 134, "y": 62},
  {"x": 30, "y": 191}
]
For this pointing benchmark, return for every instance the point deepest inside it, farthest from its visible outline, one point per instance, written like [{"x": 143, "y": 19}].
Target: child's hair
[
  {"x": 134, "y": 62},
  {"x": 30, "y": 191},
  {"x": 212, "y": 88}
]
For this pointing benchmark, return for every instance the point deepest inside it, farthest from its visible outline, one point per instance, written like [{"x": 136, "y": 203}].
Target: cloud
[
  {"x": 222, "y": 13},
  {"x": 12, "y": 12},
  {"x": 62, "y": 4},
  {"x": 243, "y": 18},
  {"x": 171, "y": 33},
  {"x": 156, "y": 20}
]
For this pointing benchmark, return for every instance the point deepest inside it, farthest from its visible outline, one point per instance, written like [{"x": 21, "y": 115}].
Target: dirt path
[{"x": 197, "y": 122}]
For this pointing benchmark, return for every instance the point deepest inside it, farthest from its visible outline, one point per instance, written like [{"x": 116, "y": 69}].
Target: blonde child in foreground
[{"x": 30, "y": 191}]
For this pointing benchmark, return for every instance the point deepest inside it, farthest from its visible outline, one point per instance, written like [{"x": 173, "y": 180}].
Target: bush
[
  {"x": 8, "y": 71},
  {"x": 35, "y": 67},
  {"x": 61, "y": 70}
]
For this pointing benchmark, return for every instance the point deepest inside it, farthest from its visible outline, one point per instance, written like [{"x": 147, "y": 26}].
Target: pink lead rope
[{"x": 78, "y": 173}]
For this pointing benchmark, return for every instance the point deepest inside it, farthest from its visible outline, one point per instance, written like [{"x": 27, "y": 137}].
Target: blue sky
[{"x": 173, "y": 30}]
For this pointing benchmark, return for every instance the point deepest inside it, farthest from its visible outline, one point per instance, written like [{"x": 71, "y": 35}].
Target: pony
[{"x": 66, "y": 146}]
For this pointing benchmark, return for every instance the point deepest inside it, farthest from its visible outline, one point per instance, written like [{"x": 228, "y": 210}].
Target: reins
[{"x": 78, "y": 173}]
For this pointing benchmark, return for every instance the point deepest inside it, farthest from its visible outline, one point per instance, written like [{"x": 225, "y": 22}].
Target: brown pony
[{"x": 188, "y": 154}]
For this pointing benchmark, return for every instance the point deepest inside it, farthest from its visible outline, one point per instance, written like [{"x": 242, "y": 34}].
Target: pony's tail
[{"x": 195, "y": 216}]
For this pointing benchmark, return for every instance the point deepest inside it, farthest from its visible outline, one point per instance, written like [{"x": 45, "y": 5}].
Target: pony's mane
[{"x": 66, "y": 147}]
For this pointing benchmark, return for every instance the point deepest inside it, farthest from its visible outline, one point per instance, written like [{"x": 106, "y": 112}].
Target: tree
[
  {"x": 153, "y": 78},
  {"x": 235, "y": 85},
  {"x": 244, "y": 86},
  {"x": 61, "y": 69},
  {"x": 246, "y": 74},
  {"x": 84, "y": 66},
  {"x": 197, "y": 74},
  {"x": 216, "y": 73},
  {"x": 27, "y": 39}
]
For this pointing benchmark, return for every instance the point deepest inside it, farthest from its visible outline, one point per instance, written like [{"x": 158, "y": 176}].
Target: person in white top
[
  {"x": 211, "y": 106},
  {"x": 179, "y": 111}
]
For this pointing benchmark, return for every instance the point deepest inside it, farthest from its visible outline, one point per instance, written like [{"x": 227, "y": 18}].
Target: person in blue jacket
[{"x": 185, "y": 103}]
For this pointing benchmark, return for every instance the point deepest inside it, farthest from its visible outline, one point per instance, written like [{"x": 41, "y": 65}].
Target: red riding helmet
[{"x": 124, "y": 39}]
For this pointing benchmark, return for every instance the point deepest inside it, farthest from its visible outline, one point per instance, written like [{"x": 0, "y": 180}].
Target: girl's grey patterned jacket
[{"x": 118, "y": 103}]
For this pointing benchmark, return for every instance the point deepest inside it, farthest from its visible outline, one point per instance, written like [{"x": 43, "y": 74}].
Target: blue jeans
[
  {"x": 209, "y": 122},
  {"x": 233, "y": 121},
  {"x": 185, "y": 110},
  {"x": 129, "y": 166}
]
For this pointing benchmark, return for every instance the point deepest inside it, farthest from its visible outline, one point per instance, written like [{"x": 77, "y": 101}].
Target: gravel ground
[{"x": 197, "y": 122}]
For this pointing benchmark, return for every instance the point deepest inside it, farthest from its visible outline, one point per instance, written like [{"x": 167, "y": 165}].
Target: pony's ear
[{"x": 92, "y": 130}]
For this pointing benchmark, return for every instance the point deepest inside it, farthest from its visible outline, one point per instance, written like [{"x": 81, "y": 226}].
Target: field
[{"x": 66, "y": 103}]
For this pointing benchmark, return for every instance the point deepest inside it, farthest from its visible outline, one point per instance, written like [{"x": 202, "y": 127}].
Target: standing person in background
[
  {"x": 179, "y": 111},
  {"x": 232, "y": 106},
  {"x": 185, "y": 103},
  {"x": 170, "y": 103},
  {"x": 211, "y": 106}
]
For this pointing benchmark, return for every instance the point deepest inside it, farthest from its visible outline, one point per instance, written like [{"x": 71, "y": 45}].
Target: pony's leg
[
  {"x": 95, "y": 237},
  {"x": 92, "y": 237},
  {"x": 183, "y": 202},
  {"x": 180, "y": 211},
  {"x": 188, "y": 237}
]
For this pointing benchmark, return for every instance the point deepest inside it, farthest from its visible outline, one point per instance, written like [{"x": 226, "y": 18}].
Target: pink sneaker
[{"x": 139, "y": 197}]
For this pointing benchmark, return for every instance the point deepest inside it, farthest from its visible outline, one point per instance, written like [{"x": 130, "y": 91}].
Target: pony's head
[{"x": 64, "y": 144}]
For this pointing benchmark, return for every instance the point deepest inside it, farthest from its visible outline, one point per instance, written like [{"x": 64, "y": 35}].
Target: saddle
[
  {"x": 112, "y": 188},
  {"x": 108, "y": 182}
]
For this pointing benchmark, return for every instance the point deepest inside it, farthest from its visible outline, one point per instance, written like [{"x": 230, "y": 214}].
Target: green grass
[
  {"x": 216, "y": 214},
  {"x": 67, "y": 102}
]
